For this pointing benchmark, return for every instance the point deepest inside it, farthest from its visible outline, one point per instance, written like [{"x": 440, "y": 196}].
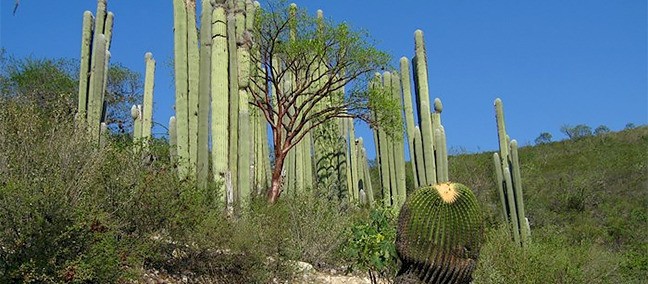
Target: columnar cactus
[
  {"x": 204, "y": 92},
  {"x": 439, "y": 235},
  {"x": 146, "y": 113},
  {"x": 509, "y": 181},
  {"x": 220, "y": 94},
  {"x": 423, "y": 95},
  {"x": 399, "y": 146},
  {"x": 409, "y": 115},
  {"x": 181, "y": 86}
]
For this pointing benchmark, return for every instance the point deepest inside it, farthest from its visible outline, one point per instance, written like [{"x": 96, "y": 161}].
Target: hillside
[{"x": 589, "y": 195}]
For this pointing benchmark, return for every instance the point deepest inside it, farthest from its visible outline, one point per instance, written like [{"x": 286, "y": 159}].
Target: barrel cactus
[{"x": 439, "y": 235}]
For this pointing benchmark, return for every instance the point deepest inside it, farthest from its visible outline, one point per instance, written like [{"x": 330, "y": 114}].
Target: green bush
[
  {"x": 549, "y": 258},
  {"x": 371, "y": 246}
]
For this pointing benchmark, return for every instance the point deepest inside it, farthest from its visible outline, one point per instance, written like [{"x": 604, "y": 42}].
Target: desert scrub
[
  {"x": 549, "y": 258},
  {"x": 370, "y": 245}
]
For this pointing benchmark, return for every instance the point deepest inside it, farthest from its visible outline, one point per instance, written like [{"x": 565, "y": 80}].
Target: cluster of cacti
[
  {"x": 428, "y": 150},
  {"x": 213, "y": 77},
  {"x": 440, "y": 231},
  {"x": 143, "y": 114},
  {"x": 509, "y": 181},
  {"x": 93, "y": 71},
  {"x": 390, "y": 149}
]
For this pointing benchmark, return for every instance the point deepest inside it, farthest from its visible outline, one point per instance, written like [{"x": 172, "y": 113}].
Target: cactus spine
[{"x": 507, "y": 170}]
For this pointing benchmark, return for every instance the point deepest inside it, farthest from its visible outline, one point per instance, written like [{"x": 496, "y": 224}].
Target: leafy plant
[{"x": 370, "y": 245}]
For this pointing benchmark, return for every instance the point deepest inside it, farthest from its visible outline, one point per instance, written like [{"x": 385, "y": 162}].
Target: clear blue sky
[{"x": 552, "y": 62}]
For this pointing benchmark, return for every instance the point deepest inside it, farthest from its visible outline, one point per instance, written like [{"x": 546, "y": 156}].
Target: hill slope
[{"x": 589, "y": 195}]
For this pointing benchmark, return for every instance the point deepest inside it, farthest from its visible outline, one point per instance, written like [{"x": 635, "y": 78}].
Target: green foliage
[
  {"x": 370, "y": 244},
  {"x": 576, "y": 132},
  {"x": 543, "y": 138},
  {"x": 550, "y": 258},
  {"x": 601, "y": 130}
]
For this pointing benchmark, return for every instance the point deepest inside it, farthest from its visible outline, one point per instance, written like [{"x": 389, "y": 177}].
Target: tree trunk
[{"x": 275, "y": 187}]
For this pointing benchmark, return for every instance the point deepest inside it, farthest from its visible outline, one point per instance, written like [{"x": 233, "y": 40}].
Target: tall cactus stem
[
  {"x": 95, "y": 102},
  {"x": 149, "y": 79},
  {"x": 204, "y": 95},
  {"x": 108, "y": 28},
  {"x": 367, "y": 176},
  {"x": 500, "y": 185},
  {"x": 85, "y": 67},
  {"x": 511, "y": 204},
  {"x": 173, "y": 140},
  {"x": 193, "y": 73},
  {"x": 409, "y": 115},
  {"x": 424, "y": 107},
  {"x": 233, "y": 101},
  {"x": 519, "y": 200},
  {"x": 418, "y": 151},
  {"x": 181, "y": 86},
  {"x": 220, "y": 95},
  {"x": 399, "y": 145}
]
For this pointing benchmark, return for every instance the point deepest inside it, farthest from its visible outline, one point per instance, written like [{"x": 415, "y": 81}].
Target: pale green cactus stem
[
  {"x": 103, "y": 132},
  {"x": 356, "y": 167},
  {"x": 420, "y": 68},
  {"x": 173, "y": 139},
  {"x": 438, "y": 156},
  {"x": 409, "y": 115},
  {"x": 399, "y": 144},
  {"x": 352, "y": 195},
  {"x": 204, "y": 95},
  {"x": 84, "y": 70},
  {"x": 180, "y": 61},
  {"x": 233, "y": 101},
  {"x": 243, "y": 52},
  {"x": 147, "y": 109},
  {"x": 137, "y": 126},
  {"x": 220, "y": 96},
  {"x": 193, "y": 75},
  {"x": 519, "y": 200},
  {"x": 418, "y": 155},
  {"x": 382, "y": 154},
  {"x": 108, "y": 27},
  {"x": 500, "y": 185},
  {"x": 443, "y": 145},
  {"x": 511, "y": 204},
  {"x": 365, "y": 168},
  {"x": 95, "y": 102},
  {"x": 393, "y": 193},
  {"x": 501, "y": 131}
]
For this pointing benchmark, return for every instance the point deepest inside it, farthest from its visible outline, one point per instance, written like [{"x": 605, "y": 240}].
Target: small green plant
[{"x": 370, "y": 245}]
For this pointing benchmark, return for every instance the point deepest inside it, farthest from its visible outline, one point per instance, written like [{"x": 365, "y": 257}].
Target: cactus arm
[{"x": 108, "y": 28}]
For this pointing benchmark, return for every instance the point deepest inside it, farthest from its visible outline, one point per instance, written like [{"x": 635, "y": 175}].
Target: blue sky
[{"x": 552, "y": 62}]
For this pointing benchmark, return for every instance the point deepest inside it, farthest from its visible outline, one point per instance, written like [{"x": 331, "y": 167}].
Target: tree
[
  {"x": 310, "y": 71},
  {"x": 601, "y": 129},
  {"x": 630, "y": 125},
  {"x": 576, "y": 132},
  {"x": 53, "y": 83},
  {"x": 543, "y": 138}
]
